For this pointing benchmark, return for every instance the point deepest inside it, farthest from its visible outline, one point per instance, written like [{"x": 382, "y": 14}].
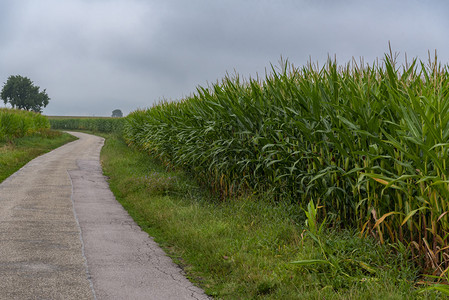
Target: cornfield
[
  {"x": 107, "y": 125},
  {"x": 369, "y": 143},
  {"x": 16, "y": 123}
]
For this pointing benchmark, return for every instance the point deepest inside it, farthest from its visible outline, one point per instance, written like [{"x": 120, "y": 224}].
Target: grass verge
[
  {"x": 16, "y": 153},
  {"x": 243, "y": 248}
]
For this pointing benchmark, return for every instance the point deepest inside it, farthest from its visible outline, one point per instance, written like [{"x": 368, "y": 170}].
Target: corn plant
[
  {"x": 368, "y": 142},
  {"x": 107, "y": 125},
  {"x": 16, "y": 123}
]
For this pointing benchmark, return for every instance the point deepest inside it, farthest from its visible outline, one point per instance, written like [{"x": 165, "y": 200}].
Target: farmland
[
  {"x": 243, "y": 248},
  {"x": 331, "y": 150},
  {"x": 23, "y": 136},
  {"x": 94, "y": 124},
  {"x": 16, "y": 123},
  {"x": 367, "y": 144}
]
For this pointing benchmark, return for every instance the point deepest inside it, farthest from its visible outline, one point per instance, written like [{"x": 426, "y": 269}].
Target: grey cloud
[{"x": 95, "y": 56}]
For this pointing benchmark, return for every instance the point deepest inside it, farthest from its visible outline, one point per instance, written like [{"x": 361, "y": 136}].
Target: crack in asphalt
[
  {"x": 176, "y": 274},
  {"x": 88, "y": 275}
]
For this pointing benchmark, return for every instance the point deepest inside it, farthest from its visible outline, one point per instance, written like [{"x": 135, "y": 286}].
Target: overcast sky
[{"x": 94, "y": 56}]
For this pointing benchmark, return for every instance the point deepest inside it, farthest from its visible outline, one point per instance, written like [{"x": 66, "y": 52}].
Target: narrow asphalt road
[{"x": 64, "y": 236}]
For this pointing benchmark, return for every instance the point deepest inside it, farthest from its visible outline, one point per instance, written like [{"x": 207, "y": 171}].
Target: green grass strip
[{"x": 17, "y": 152}]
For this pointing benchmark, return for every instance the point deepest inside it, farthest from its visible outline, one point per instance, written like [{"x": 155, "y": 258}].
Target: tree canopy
[
  {"x": 117, "y": 113},
  {"x": 21, "y": 93}
]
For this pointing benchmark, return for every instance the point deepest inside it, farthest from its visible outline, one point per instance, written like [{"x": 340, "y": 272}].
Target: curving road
[{"x": 64, "y": 236}]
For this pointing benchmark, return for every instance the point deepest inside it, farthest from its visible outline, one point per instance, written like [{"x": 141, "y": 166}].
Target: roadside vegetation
[
  {"x": 15, "y": 123},
  {"x": 23, "y": 136},
  {"x": 312, "y": 183},
  {"x": 367, "y": 144},
  {"x": 244, "y": 249}
]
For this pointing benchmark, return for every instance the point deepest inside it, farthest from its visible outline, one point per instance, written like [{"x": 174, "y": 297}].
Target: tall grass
[
  {"x": 369, "y": 143},
  {"x": 106, "y": 125},
  {"x": 16, "y": 123}
]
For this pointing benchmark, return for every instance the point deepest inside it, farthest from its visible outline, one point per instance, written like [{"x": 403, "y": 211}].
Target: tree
[
  {"x": 21, "y": 93},
  {"x": 117, "y": 113}
]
